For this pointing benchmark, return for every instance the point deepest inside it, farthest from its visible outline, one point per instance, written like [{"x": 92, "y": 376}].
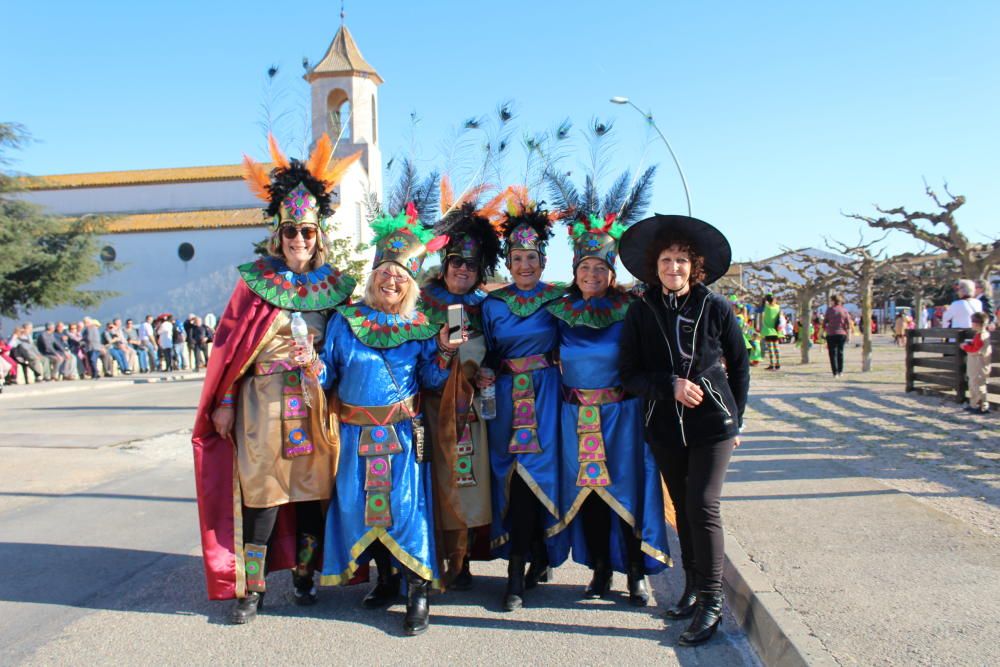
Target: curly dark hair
[
  {"x": 284, "y": 181},
  {"x": 682, "y": 243}
]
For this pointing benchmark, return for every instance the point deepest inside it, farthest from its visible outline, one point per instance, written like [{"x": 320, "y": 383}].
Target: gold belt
[
  {"x": 371, "y": 415},
  {"x": 601, "y": 396},
  {"x": 533, "y": 362},
  {"x": 274, "y": 367}
]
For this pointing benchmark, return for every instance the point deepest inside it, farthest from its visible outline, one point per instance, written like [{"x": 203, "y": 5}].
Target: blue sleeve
[
  {"x": 430, "y": 372},
  {"x": 327, "y": 356}
]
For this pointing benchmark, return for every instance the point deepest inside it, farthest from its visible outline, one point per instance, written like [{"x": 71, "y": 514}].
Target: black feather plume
[
  {"x": 615, "y": 197},
  {"x": 562, "y": 191},
  {"x": 638, "y": 199}
]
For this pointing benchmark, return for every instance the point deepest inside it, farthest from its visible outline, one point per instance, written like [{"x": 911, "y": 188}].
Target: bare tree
[
  {"x": 975, "y": 259},
  {"x": 803, "y": 275},
  {"x": 919, "y": 277},
  {"x": 870, "y": 262}
]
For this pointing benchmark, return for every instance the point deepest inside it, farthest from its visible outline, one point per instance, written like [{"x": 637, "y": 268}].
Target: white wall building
[{"x": 178, "y": 234}]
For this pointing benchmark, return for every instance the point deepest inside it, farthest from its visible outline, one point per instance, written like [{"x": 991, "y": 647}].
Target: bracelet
[
  {"x": 227, "y": 400},
  {"x": 314, "y": 367}
]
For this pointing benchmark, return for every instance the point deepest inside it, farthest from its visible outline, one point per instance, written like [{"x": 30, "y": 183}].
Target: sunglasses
[
  {"x": 291, "y": 231},
  {"x": 459, "y": 262}
]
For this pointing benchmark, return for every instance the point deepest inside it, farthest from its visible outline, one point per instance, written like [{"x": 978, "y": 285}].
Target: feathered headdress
[
  {"x": 526, "y": 224},
  {"x": 403, "y": 239},
  {"x": 297, "y": 192},
  {"x": 470, "y": 232}
]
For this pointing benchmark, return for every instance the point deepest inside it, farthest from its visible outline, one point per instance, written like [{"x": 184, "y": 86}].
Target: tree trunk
[
  {"x": 867, "y": 278},
  {"x": 805, "y": 317},
  {"x": 918, "y": 306}
]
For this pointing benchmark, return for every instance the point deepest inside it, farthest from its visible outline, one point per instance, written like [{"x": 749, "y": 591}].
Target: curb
[
  {"x": 774, "y": 629},
  {"x": 49, "y": 389}
]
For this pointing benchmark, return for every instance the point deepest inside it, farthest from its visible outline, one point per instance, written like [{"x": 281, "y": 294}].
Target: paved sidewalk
[
  {"x": 13, "y": 391},
  {"x": 868, "y": 517}
]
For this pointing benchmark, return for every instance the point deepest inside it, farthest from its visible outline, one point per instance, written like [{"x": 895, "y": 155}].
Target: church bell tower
[{"x": 344, "y": 93}]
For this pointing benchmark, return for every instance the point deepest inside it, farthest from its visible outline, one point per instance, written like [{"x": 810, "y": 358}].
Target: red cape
[{"x": 240, "y": 331}]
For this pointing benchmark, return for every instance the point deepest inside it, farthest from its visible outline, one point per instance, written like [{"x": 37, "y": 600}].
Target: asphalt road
[{"x": 100, "y": 562}]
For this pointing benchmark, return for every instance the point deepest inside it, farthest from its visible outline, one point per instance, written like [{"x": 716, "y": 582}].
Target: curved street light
[{"x": 649, "y": 119}]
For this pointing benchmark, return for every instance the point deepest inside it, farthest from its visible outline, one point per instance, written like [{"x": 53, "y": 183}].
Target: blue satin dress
[
  {"x": 360, "y": 376},
  {"x": 589, "y": 359},
  {"x": 512, "y": 336}
]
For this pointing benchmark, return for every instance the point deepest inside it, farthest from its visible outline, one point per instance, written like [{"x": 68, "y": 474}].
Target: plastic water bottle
[
  {"x": 300, "y": 332},
  {"x": 488, "y": 397}
]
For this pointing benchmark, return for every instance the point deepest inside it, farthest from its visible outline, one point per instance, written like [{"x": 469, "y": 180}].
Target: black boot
[
  {"x": 638, "y": 595},
  {"x": 600, "y": 583},
  {"x": 386, "y": 590},
  {"x": 246, "y": 608},
  {"x": 463, "y": 581},
  {"x": 685, "y": 605},
  {"x": 707, "y": 613},
  {"x": 512, "y": 599},
  {"x": 302, "y": 575},
  {"x": 417, "y": 608},
  {"x": 538, "y": 571}
]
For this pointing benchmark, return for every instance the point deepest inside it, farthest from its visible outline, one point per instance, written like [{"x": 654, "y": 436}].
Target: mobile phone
[{"x": 456, "y": 323}]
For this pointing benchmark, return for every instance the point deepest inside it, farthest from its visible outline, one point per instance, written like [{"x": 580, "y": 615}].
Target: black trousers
[
  {"x": 527, "y": 534},
  {"x": 258, "y": 522},
  {"x": 597, "y": 525},
  {"x": 835, "y": 346},
  {"x": 694, "y": 477}
]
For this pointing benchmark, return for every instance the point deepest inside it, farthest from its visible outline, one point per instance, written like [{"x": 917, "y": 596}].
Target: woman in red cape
[{"x": 265, "y": 457}]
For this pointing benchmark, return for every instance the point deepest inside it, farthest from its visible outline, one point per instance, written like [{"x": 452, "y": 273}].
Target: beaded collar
[
  {"x": 435, "y": 299},
  {"x": 321, "y": 289},
  {"x": 523, "y": 303},
  {"x": 385, "y": 330},
  {"x": 598, "y": 312}
]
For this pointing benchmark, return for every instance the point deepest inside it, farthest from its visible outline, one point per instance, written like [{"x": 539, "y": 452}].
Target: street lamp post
[{"x": 649, "y": 119}]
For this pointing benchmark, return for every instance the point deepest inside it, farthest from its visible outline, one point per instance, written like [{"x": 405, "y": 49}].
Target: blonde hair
[
  {"x": 410, "y": 297},
  {"x": 319, "y": 254}
]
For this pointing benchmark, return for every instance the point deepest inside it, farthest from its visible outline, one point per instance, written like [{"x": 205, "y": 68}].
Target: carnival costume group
[{"x": 364, "y": 434}]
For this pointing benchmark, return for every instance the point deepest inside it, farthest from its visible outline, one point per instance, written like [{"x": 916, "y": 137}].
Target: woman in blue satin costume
[
  {"x": 524, "y": 438},
  {"x": 611, "y": 496},
  {"x": 377, "y": 355}
]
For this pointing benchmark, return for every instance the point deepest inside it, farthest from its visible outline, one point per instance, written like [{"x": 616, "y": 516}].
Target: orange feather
[
  {"x": 320, "y": 157},
  {"x": 447, "y": 194},
  {"x": 256, "y": 176},
  {"x": 335, "y": 172},
  {"x": 279, "y": 159},
  {"x": 491, "y": 209}
]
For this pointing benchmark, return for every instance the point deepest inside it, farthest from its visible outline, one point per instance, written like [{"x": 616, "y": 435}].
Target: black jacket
[{"x": 650, "y": 359}]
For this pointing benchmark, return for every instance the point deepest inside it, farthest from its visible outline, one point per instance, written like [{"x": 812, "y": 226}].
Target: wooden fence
[{"x": 936, "y": 365}]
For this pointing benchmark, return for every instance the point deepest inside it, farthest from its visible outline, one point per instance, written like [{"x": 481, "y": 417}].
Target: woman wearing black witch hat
[{"x": 682, "y": 350}]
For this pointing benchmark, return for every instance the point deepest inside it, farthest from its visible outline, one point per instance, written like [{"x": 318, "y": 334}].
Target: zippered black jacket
[{"x": 650, "y": 359}]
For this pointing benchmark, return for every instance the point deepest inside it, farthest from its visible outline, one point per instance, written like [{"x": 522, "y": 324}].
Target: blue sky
[{"x": 782, "y": 114}]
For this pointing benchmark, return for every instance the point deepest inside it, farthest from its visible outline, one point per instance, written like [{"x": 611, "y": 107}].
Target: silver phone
[{"x": 456, "y": 323}]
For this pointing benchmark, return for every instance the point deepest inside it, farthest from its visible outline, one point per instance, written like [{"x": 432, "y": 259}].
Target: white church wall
[
  {"x": 153, "y": 278},
  {"x": 145, "y": 198}
]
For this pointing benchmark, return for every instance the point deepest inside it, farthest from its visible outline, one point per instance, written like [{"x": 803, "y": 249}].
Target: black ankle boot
[
  {"x": 600, "y": 583},
  {"x": 538, "y": 571},
  {"x": 386, "y": 590},
  {"x": 246, "y": 608},
  {"x": 685, "y": 605},
  {"x": 707, "y": 613},
  {"x": 304, "y": 589},
  {"x": 417, "y": 607},
  {"x": 512, "y": 599},
  {"x": 638, "y": 595},
  {"x": 463, "y": 581}
]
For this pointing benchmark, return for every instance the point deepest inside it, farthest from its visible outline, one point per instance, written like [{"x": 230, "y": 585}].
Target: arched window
[
  {"x": 374, "y": 122},
  {"x": 338, "y": 114}
]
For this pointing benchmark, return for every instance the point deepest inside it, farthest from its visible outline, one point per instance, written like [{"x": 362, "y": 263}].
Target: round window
[{"x": 185, "y": 251}]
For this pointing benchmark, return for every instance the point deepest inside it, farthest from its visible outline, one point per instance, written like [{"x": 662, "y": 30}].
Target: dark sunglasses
[
  {"x": 459, "y": 262},
  {"x": 291, "y": 231}
]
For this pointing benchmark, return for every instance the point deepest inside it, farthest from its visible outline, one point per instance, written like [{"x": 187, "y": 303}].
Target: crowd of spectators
[{"x": 90, "y": 349}]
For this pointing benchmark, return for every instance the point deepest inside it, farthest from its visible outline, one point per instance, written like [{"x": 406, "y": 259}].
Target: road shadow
[{"x": 883, "y": 435}]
